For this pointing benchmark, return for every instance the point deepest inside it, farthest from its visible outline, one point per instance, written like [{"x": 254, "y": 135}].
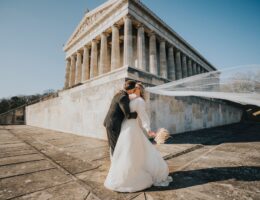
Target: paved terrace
[{"x": 219, "y": 163}]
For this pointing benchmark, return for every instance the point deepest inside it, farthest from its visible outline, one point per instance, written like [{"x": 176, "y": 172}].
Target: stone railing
[
  {"x": 16, "y": 116},
  {"x": 13, "y": 117}
]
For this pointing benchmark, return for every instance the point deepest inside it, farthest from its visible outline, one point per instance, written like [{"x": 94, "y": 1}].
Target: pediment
[{"x": 90, "y": 19}]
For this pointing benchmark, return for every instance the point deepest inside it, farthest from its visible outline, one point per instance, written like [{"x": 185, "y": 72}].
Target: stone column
[
  {"x": 73, "y": 70},
  {"x": 153, "y": 54},
  {"x": 128, "y": 42},
  {"x": 85, "y": 64},
  {"x": 141, "y": 48},
  {"x": 194, "y": 68},
  {"x": 109, "y": 57},
  {"x": 178, "y": 65},
  {"x": 189, "y": 67},
  {"x": 94, "y": 60},
  {"x": 198, "y": 69},
  {"x": 171, "y": 64},
  {"x": 184, "y": 66},
  {"x": 115, "y": 54},
  {"x": 163, "y": 62},
  {"x": 104, "y": 66},
  {"x": 79, "y": 68},
  {"x": 67, "y": 76}
]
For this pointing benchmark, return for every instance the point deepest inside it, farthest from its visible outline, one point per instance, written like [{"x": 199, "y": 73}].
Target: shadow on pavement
[
  {"x": 185, "y": 179},
  {"x": 241, "y": 132}
]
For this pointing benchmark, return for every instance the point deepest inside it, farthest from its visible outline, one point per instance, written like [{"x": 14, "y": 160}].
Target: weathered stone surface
[
  {"x": 91, "y": 196},
  {"x": 71, "y": 142},
  {"x": 184, "y": 159},
  {"x": 14, "y": 147},
  {"x": 70, "y": 190},
  {"x": 17, "y": 153},
  {"x": 8, "y": 139},
  {"x": 92, "y": 154},
  {"x": 140, "y": 197},
  {"x": 183, "y": 114},
  {"x": 20, "y": 185},
  {"x": 24, "y": 168},
  {"x": 20, "y": 159},
  {"x": 70, "y": 163},
  {"x": 219, "y": 163}
]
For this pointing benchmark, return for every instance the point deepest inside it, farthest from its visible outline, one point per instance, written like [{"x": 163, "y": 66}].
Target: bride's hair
[{"x": 142, "y": 92}]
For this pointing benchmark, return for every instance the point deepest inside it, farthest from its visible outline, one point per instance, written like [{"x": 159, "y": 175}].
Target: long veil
[{"x": 237, "y": 84}]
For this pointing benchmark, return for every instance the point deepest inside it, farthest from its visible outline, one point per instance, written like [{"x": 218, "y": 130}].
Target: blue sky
[{"x": 32, "y": 33}]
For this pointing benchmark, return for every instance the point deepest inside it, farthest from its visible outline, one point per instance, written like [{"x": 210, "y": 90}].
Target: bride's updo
[{"x": 142, "y": 90}]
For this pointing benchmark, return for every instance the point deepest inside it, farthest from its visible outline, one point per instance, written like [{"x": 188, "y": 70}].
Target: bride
[{"x": 136, "y": 164}]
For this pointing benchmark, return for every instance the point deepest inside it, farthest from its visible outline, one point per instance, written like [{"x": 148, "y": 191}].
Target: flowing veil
[{"x": 237, "y": 84}]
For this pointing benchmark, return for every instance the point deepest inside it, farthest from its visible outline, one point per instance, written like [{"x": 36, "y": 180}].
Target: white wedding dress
[{"x": 136, "y": 164}]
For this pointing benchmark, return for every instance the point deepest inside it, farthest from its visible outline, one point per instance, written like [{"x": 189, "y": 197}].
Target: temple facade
[
  {"x": 121, "y": 40},
  {"x": 123, "y": 33}
]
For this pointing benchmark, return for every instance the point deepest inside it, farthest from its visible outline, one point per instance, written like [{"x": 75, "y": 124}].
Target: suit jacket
[{"x": 118, "y": 111}]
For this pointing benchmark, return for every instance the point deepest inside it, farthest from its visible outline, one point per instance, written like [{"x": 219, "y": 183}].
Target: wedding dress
[{"x": 136, "y": 164}]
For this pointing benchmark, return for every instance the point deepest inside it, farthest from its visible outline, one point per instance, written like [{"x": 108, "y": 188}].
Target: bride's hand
[{"x": 152, "y": 134}]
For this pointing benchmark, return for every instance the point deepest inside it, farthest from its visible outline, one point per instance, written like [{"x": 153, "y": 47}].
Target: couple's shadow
[
  {"x": 185, "y": 179},
  {"x": 232, "y": 134}
]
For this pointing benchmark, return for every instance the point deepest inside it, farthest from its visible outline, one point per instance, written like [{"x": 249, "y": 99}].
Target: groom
[{"x": 118, "y": 111}]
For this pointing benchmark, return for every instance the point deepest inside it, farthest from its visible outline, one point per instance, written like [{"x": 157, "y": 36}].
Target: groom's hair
[{"x": 129, "y": 85}]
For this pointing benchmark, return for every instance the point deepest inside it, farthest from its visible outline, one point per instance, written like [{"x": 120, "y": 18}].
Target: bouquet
[{"x": 161, "y": 136}]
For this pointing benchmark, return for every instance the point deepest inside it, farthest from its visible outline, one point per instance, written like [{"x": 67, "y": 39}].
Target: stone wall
[
  {"x": 82, "y": 109},
  {"x": 182, "y": 114}
]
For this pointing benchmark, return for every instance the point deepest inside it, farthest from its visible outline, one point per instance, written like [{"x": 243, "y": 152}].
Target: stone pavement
[{"x": 219, "y": 163}]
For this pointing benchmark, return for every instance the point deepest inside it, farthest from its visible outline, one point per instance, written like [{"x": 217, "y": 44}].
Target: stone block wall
[
  {"x": 82, "y": 109},
  {"x": 182, "y": 114}
]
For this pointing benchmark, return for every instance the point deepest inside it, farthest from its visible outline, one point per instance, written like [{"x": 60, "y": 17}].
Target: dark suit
[{"x": 118, "y": 111}]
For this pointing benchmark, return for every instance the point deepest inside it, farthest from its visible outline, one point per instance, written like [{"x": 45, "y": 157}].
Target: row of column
[
  {"x": 174, "y": 65},
  {"x": 78, "y": 71}
]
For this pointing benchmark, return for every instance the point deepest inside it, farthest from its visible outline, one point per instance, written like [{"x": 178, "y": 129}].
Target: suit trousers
[{"x": 112, "y": 137}]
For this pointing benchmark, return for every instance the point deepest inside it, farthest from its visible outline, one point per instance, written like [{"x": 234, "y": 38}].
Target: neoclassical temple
[
  {"x": 120, "y": 40},
  {"x": 126, "y": 33}
]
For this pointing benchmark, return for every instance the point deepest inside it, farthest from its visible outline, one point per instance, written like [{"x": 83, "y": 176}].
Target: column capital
[
  {"x": 151, "y": 33},
  {"x": 161, "y": 40},
  {"x": 73, "y": 56},
  {"x": 139, "y": 25},
  {"x": 128, "y": 17},
  {"x": 170, "y": 47},
  {"x": 105, "y": 34},
  {"x": 178, "y": 50},
  {"x": 116, "y": 25},
  {"x": 95, "y": 41},
  {"x": 86, "y": 47}
]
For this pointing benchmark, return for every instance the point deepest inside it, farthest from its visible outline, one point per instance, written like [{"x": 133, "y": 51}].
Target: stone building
[
  {"x": 119, "y": 40},
  {"x": 126, "y": 33}
]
